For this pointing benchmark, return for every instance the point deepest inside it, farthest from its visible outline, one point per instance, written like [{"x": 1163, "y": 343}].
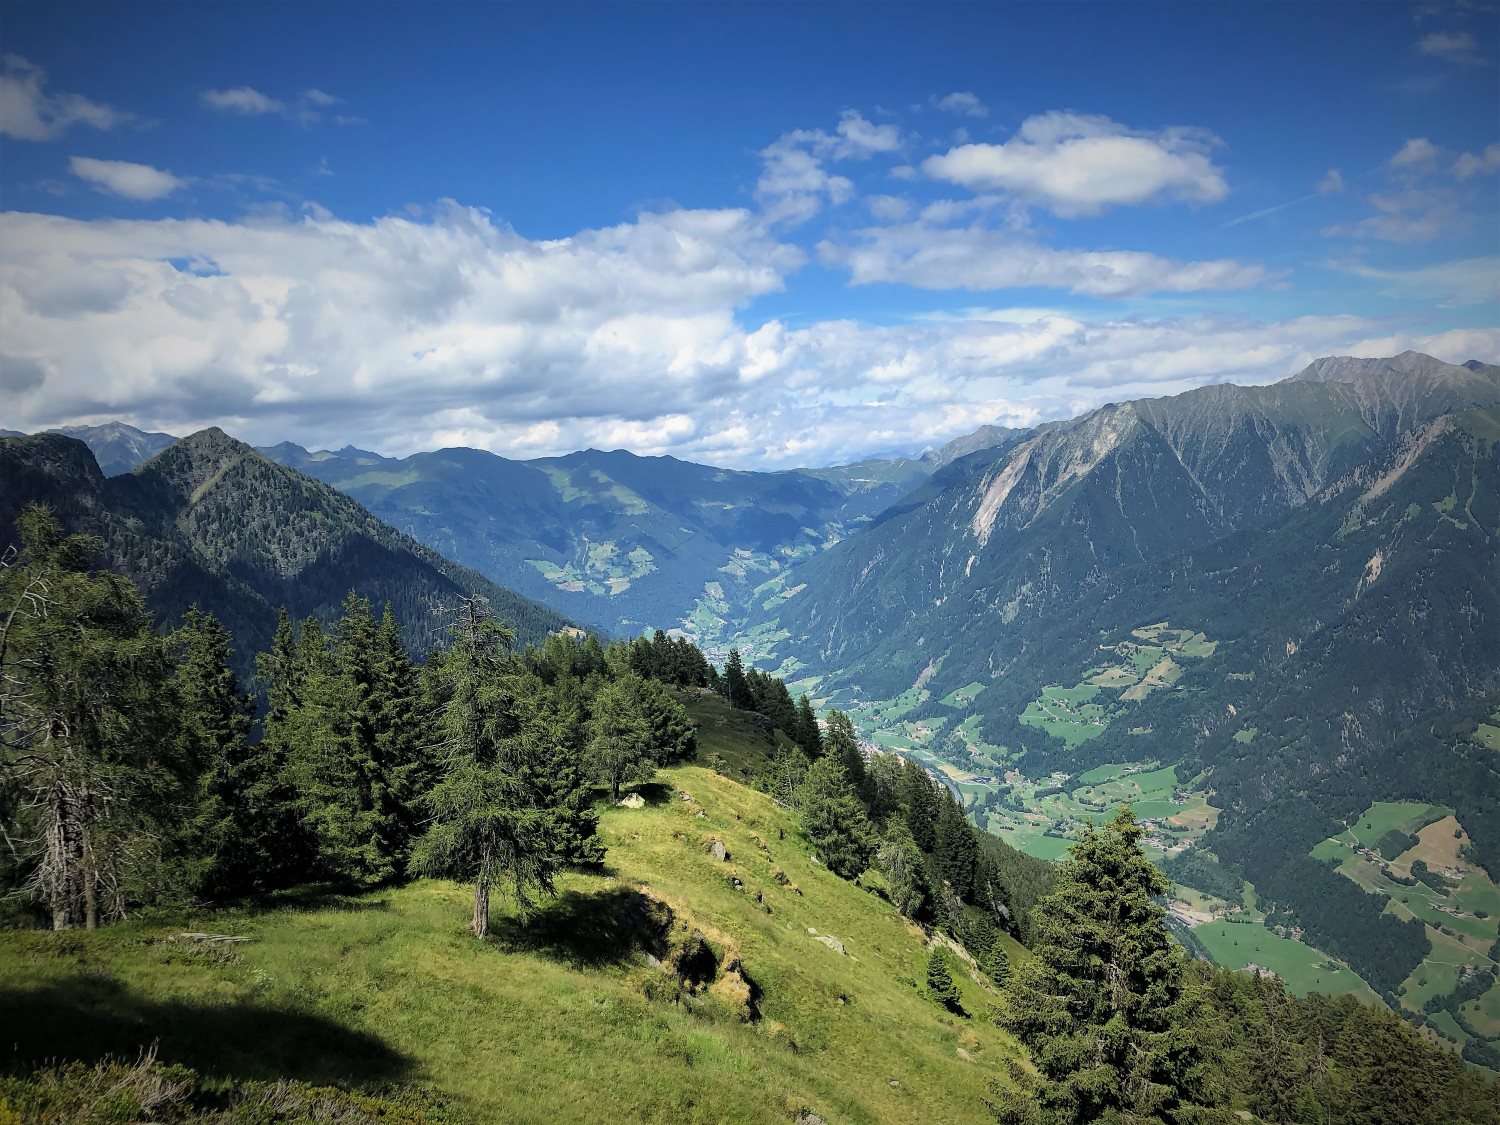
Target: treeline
[
  {"x": 1123, "y": 1027},
  {"x": 1336, "y": 1060},
  {"x": 1193, "y": 869},
  {"x": 133, "y": 770},
  {"x": 888, "y": 813}
]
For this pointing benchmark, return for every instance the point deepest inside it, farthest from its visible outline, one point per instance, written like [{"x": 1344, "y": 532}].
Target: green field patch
[
  {"x": 1067, "y": 714},
  {"x": 1153, "y": 810},
  {"x": 1484, "y": 1014},
  {"x": 962, "y": 696},
  {"x": 1246, "y": 735},
  {"x": 1488, "y": 735},
  {"x": 1105, "y": 773},
  {"x": 1446, "y": 1024},
  {"x": 1381, "y": 817},
  {"x": 1304, "y": 969},
  {"x": 1330, "y": 849},
  {"x": 1034, "y": 843},
  {"x": 1475, "y": 893}
]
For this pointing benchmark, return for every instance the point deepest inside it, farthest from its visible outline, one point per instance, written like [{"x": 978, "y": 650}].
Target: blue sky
[{"x": 746, "y": 233}]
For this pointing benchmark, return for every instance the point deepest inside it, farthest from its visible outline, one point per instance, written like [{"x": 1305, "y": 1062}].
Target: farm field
[
  {"x": 1238, "y": 944},
  {"x": 1455, "y": 899},
  {"x": 1150, "y": 659}
]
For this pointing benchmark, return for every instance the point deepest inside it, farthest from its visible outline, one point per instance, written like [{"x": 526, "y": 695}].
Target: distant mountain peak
[
  {"x": 1353, "y": 369},
  {"x": 118, "y": 446}
]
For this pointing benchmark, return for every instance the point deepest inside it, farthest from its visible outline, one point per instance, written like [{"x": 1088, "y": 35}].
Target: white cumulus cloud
[
  {"x": 963, "y": 103},
  {"x": 1072, "y": 164},
  {"x": 140, "y": 182},
  {"x": 406, "y": 333}
]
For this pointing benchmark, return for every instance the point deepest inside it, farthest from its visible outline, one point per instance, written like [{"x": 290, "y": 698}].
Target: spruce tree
[
  {"x": 1103, "y": 1006},
  {"x": 940, "y": 986},
  {"x": 229, "y": 849},
  {"x": 834, "y": 819},
  {"x": 735, "y": 684},
  {"x": 282, "y": 674},
  {"x": 789, "y": 766},
  {"x": 955, "y": 847},
  {"x": 842, "y": 745},
  {"x": 900, "y": 862},
  {"x": 402, "y": 760},
  {"x": 919, "y": 804},
  {"x": 808, "y": 736},
  {"x": 620, "y": 736},
  {"x": 672, "y": 736}
]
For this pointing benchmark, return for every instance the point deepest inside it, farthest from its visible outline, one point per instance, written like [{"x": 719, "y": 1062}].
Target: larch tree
[
  {"x": 620, "y": 746},
  {"x": 489, "y": 821},
  {"x": 91, "y": 774},
  {"x": 1115, "y": 1030}
]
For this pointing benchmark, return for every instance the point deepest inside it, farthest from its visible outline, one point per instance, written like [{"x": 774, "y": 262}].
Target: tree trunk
[
  {"x": 90, "y": 900},
  {"x": 481, "y": 923},
  {"x": 614, "y": 789}
]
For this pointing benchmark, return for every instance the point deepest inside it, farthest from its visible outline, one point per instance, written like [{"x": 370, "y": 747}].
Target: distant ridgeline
[{"x": 210, "y": 522}]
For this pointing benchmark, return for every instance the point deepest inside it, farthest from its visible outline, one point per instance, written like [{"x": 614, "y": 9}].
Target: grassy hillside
[{"x": 565, "y": 1019}]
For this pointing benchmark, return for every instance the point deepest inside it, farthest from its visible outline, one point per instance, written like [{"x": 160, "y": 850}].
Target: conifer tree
[
  {"x": 940, "y": 986},
  {"x": 955, "y": 847},
  {"x": 735, "y": 684},
  {"x": 834, "y": 819},
  {"x": 554, "y": 728},
  {"x": 807, "y": 735},
  {"x": 842, "y": 745},
  {"x": 227, "y": 836},
  {"x": 490, "y": 820},
  {"x": 919, "y": 804},
  {"x": 1115, "y": 1031},
  {"x": 619, "y": 746},
  {"x": 789, "y": 766},
  {"x": 90, "y": 773},
  {"x": 900, "y": 862},
  {"x": 672, "y": 738},
  {"x": 282, "y": 673},
  {"x": 401, "y": 759}
]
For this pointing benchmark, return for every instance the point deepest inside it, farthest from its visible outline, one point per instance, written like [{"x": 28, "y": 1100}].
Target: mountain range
[
  {"x": 1277, "y": 602},
  {"x": 209, "y": 521}
]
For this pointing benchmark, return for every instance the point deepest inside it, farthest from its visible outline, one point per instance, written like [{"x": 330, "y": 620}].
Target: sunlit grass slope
[{"x": 566, "y": 1019}]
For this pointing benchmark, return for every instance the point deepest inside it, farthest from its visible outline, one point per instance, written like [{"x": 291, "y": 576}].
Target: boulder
[{"x": 632, "y": 801}]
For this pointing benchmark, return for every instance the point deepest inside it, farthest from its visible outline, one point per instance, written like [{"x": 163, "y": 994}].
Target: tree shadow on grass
[
  {"x": 90, "y": 1017},
  {"x": 655, "y": 792},
  {"x": 606, "y": 927}
]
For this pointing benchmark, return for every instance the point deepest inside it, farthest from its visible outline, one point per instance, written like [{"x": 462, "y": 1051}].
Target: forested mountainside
[
  {"x": 1006, "y": 535},
  {"x": 213, "y": 523},
  {"x": 1283, "y": 598},
  {"x": 610, "y": 538}
]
